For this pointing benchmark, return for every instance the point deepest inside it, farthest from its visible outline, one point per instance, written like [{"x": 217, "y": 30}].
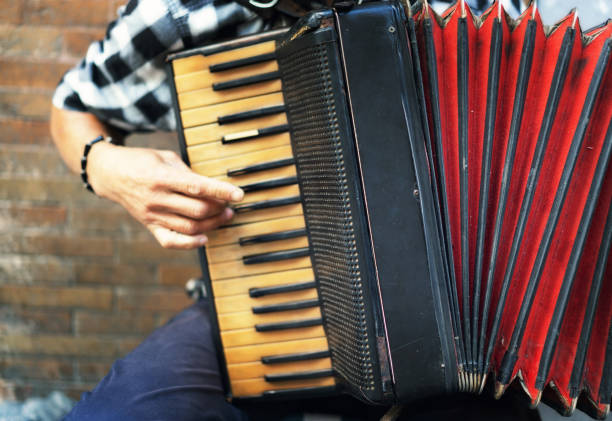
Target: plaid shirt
[{"x": 122, "y": 78}]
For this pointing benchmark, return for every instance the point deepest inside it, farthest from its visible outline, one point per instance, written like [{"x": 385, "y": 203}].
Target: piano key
[
  {"x": 255, "y": 369},
  {"x": 312, "y": 374},
  {"x": 262, "y": 177},
  {"x": 216, "y": 150},
  {"x": 241, "y": 62},
  {"x": 254, "y": 133},
  {"x": 195, "y": 63},
  {"x": 208, "y": 96},
  {"x": 280, "y": 289},
  {"x": 241, "y": 337},
  {"x": 288, "y": 306},
  {"x": 290, "y": 325},
  {"x": 269, "y": 184},
  {"x": 209, "y": 114},
  {"x": 265, "y": 214},
  {"x": 214, "y": 132},
  {"x": 275, "y": 236},
  {"x": 249, "y": 353},
  {"x": 244, "y": 302},
  {"x": 255, "y": 387},
  {"x": 205, "y": 78},
  {"x": 215, "y": 167},
  {"x": 245, "y": 81},
  {"x": 250, "y": 114},
  {"x": 235, "y": 269},
  {"x": 275, "y": 256},
  {"x": 301, "y": 356},
  {"x": 244, "y": 285},
  {"x": 233, "y": 252},
  {"x": 266, "y": 204},
  {"x": 272, "y": 194},
  {"x": 247, "y": 320},
  {"x": 261, "y": 167},
  {"x": 232, "y": 235},
  {"x": 302, "y": 391}
]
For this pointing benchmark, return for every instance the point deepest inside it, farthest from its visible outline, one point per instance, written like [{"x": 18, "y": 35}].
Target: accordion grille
[{"x": 317, "y": 145}]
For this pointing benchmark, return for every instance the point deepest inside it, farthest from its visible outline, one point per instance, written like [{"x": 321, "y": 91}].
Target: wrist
[{"x": 97, "y": 166}]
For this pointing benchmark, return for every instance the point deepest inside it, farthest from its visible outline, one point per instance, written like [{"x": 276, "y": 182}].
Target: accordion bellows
[{"x": 519, "y": 120}]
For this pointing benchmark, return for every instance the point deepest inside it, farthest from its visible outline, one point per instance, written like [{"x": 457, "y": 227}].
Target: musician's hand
[{"x": 177, "y": 205}]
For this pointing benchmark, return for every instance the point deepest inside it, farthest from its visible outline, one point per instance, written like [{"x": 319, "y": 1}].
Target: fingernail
[
  {"x": 203, "y": 240},
  {"x": 237, "y": 195},
  {"x": 228, "y": 213}
]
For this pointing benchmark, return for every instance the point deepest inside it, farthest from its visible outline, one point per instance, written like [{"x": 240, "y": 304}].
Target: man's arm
[{"x": 177, "y": 205}]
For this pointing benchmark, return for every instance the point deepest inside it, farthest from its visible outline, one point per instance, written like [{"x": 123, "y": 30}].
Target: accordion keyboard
[{"x": 235, "y": 129}]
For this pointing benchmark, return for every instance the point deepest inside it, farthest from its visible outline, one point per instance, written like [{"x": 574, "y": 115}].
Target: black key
[
  {"x": 269, "y": 184},
  {"x": 276, "y": 236},
  {"x": 247, "y": 115},
  {"x": 261, "y": 292},
  {"x": 271, "y": 327},
  {"x": 253, "y": 134},
  {"x": 261, "y": 167},
  {"x": 300, "y": 392},
  {"x": 219, "y": 67},
  {"x": 275, "y": 256},
  {"x": 289, "y": 358},
  {"x": 304, "y": 375},
  {"x": 266, "y": 204},
  {"x": 244, "y": 81},
  {"x": 293, "y": 305}
]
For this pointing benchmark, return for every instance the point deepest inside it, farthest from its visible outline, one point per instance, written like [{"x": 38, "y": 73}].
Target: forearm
[{"x": 72, "y": 130}]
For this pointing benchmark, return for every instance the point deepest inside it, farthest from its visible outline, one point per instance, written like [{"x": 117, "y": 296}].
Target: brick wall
[{"x": 80, "y": 282}]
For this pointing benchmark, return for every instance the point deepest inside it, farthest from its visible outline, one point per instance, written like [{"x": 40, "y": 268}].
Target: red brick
[
  {"x": 14, "y": 130},
  {"x": 94, "y": 273},
  {"x": 178, "y": 275},
  {"x": 30, "y": 41},
  {"x": 65, "y": 191},
  {"x": 93, "y": 371},
  {"x": 115, "y": 220},
  {"x": 33, "y": 321},
  {"x": 157, "y": 300},
  {"x": 33, "y": 162},
  {"x": 77, "y": 41},
  {"x": 57, "y": 245},
  {"x": 66, "y": 12},
  {"x": 139, "y": 251},
  {"x": 28, "y": 269},
  {"x": 34, "y": 105},
  {"x": 37, "y": 388},
  {"x": 31, "y": 74},
  {"x": 17, "y": 216},
  {"x": 128, "y": 323},
  {"x": 7, "y": 391},
  {"x": 37, "y": 296},
  {"x": 63, "y": 345},
  {"x": 10, "y": 11},
  {"x": 38, "y": 368}
]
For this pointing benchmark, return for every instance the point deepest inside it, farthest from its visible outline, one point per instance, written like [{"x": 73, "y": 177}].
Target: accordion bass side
[{"x": 447, "y": 190}]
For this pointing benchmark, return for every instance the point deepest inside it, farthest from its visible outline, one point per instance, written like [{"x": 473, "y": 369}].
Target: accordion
[{"x": 427, "y": 204}]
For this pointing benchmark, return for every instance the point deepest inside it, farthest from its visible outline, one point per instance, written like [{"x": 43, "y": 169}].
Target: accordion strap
[{"x": 290, "y": 8}]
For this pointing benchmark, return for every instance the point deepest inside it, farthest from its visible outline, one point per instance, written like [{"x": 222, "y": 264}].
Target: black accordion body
[{"x": 427, "y": 205}]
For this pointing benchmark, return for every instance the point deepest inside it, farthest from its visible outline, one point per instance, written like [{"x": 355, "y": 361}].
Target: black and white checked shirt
[{"x": 122, "y": 78}]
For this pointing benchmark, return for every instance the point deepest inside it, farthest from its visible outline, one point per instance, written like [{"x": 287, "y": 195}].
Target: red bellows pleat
[{"x": 545, "y": 307}]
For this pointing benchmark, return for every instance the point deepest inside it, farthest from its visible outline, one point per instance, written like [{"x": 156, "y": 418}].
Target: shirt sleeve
[{"x": 122, "y": 79}]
